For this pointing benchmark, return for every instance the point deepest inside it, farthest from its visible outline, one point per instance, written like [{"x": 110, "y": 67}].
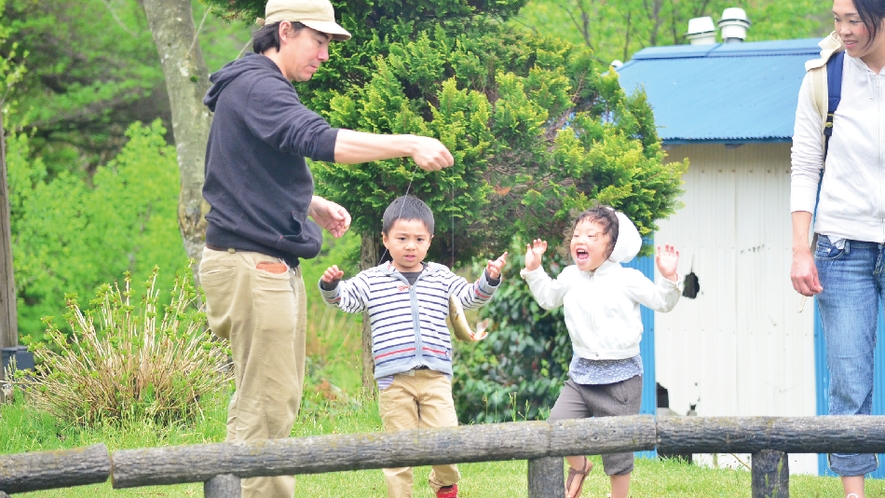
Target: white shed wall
[{"x": 740, "y": 348}]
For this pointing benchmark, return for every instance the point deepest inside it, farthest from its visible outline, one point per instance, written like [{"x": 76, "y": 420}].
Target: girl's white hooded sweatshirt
[{"x": 602, "y": 306}]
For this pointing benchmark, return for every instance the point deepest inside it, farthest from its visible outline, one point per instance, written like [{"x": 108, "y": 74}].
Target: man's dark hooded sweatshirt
[{"x": 257, "y": 181}]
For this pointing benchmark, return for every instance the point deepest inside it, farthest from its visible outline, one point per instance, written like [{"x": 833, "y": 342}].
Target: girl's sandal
[{"x": 579, "y": 474}]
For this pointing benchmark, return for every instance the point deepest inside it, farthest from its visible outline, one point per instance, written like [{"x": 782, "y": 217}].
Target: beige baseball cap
[{"x": 315, "y": 14}]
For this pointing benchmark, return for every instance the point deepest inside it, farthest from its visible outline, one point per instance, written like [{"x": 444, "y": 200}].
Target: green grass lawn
[{"x": 23, "y": 430}]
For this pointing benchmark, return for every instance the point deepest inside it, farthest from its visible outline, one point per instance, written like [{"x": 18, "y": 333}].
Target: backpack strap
[
  {"x": 826, "y": 92},
  {"x": 819, "y": 92},
  {"x": 822, "y": 73},
  {"x": 834, "y": 94}
]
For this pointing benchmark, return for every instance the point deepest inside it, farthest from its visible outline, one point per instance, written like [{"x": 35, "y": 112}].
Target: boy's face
[
  {"x": 407, "y": 242},
  {"x": 589, "y": 245}
]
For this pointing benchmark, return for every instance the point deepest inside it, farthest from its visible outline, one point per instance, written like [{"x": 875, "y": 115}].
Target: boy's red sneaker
[{"x": 448, "y": 492}]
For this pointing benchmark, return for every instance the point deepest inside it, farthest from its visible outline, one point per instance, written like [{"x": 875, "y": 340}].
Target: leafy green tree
[
  {"x": 774, "y": 20},
  {"x": 537, "y": 132},
  {"x": 86, "y": 80},
  {"x": 11, "y": 74},
  {"x": 72, "y": 236},
  {"x": 93, "y": 71},
  {"x": 618, "y": 29}
]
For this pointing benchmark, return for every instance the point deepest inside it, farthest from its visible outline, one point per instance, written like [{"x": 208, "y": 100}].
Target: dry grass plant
[{"x": 123, "y": 363}]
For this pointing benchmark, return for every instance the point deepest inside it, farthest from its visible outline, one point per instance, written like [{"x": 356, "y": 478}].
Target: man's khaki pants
[
  {"x": 418, "y": 399},
  {"x": 259, "y": 304}
]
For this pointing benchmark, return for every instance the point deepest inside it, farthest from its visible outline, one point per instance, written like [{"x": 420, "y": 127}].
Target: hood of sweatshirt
[
  {"x": 629, "y": 242},
  {"x": 249, "y": 63}
]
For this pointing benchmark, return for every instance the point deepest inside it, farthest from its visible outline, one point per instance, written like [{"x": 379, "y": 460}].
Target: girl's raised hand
[
  {"x": 533, "y": 253},
  {"x": 667, "y": 259}
]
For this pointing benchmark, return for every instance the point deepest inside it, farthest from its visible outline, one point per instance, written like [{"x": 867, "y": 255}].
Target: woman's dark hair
[
  {"x": 871, "y": 13},
  {"x": 268, "y": 36},
  {"x": 607, "y": 220}
]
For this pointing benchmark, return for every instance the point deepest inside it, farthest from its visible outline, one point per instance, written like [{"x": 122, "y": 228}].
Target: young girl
[{"x": 601, "y": 300}]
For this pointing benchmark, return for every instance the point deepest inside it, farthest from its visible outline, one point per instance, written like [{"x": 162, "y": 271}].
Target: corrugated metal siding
[{"x": 741, "y": 348}]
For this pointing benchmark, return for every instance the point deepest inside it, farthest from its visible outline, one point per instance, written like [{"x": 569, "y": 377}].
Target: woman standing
[{"x": 847, "y": 268}]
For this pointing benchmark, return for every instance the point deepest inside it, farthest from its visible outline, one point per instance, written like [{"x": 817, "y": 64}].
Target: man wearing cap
[{"x": 264, "y": 216}]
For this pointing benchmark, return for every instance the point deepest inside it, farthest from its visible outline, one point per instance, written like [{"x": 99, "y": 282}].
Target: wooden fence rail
[
  {"x": 221, "y": 465},
  {"x": 310, "y": 455},
  {"x": 54, "y": 469},
  {"x": 834, "y": 434}
]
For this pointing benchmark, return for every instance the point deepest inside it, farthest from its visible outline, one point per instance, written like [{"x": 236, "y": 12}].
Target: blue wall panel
[
  {"x": 823, "y": 384},
  {"x": 647, "y": 347}
]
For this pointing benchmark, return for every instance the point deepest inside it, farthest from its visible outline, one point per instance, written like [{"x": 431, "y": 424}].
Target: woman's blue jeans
[{"x": 853, "y": 279}]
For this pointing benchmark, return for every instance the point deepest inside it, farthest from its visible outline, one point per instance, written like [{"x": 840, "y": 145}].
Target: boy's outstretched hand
[
  {"x": 493, "y": 269},
  {"x": 666, "y": 260},
  {"x": 332, "y": 275},
  {"x": 533, "y": 253}
]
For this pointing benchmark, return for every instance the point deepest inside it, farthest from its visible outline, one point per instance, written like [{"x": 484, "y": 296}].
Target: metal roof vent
[
  {"x": 701, "y": 31},
  {"x": 734, "y": 25}
]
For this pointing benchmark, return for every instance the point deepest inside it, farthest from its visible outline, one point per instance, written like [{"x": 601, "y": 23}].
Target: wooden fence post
[
  {"x": 222, "y": 486},
  {"x": 545, "y": 478},
  {"x": 771, "y": 474}
]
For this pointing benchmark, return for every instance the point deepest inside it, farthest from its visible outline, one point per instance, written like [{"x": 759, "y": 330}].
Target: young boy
[{"x": 407, "y": 302}]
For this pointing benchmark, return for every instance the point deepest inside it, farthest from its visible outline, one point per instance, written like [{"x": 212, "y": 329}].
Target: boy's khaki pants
[
  {"x": 259, "y": 304},
  {"x": 418, "y": 399}
]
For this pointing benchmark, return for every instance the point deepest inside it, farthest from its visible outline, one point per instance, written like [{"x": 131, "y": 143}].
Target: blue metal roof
[{"x": 722, "y": 93}]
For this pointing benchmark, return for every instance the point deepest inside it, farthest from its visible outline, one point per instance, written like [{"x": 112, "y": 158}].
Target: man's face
[{"x": 303, "y": 52}]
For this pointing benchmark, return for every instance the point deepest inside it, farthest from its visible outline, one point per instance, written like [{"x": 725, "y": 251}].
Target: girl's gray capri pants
[{"x": 603, "y": 400}]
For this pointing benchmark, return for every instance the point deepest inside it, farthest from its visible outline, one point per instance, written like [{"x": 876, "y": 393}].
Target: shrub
[
  {"x": 516, "y": 373},
  {"x": 125, "y": 364},
  {"x": 69, "y": 236}
]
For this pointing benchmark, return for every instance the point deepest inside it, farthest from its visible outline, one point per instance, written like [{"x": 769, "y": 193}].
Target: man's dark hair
[
  {"x": 871, "y": 13},
  {"x": 407, "y": 207},
  {"x": 606, "y": 218},
  {"x": 268, "y": 36}
]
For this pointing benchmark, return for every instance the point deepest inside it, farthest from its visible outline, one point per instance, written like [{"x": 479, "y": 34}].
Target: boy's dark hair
[
  {"x": 268, "y": 36},
  {"x": 407, "y": 207},
  {"x": 606, "y": 218},
  {"x": 871, "y": 13}
]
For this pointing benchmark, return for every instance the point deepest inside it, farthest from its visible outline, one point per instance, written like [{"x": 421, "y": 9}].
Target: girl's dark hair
[
  {"x": 407, "y": 207},
  {"x": 268, "y": 36},
  {"x": 871, "y": 13},
  {"x": 606, "y": 218}
]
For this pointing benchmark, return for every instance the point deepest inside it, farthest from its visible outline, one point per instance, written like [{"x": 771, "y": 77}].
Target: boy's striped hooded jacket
[{"x": 409, "y": 321}]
